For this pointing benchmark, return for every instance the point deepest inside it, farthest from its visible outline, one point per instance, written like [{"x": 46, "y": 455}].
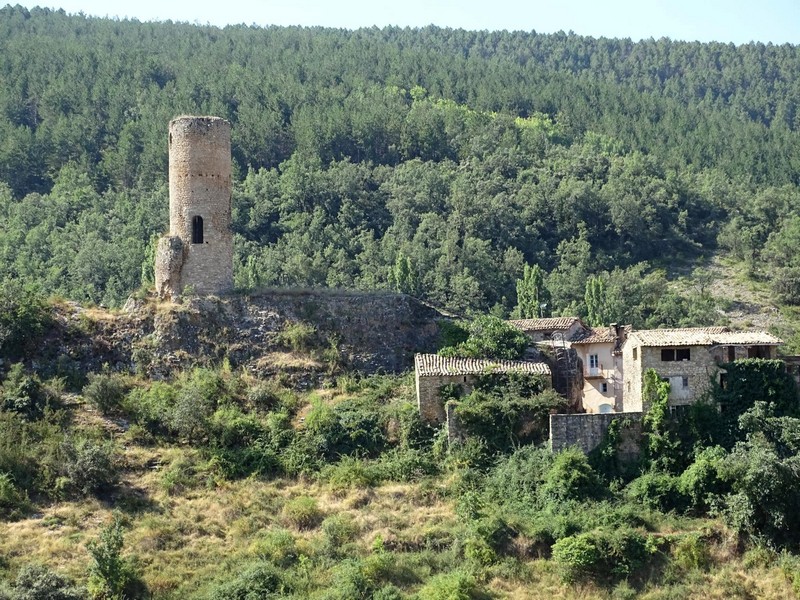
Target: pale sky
[{"x": 736, "y": 21}]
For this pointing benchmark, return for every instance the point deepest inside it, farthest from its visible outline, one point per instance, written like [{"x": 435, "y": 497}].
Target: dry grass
[{"x": 284, "y": 361}]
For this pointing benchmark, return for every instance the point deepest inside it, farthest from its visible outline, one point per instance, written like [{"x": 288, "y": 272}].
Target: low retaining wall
[{"x": 586, "y": 431}]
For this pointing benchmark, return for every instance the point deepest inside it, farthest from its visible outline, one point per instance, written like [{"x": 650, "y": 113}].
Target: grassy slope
[{"x": 188, "y": 531}]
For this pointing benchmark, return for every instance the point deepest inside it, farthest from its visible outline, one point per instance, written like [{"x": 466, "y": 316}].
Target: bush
[
  {"x": 350, "y": 582},
  {"x": 105, "y": 391},
  {"x": 37, "y": 582},
  {"x": 298, "y": 336},
  {"x": 700, "y": 483},
  {"x": 24, "y": 316},
  {"x": 456, "y": 585},
  {"x": 255, "y": 582},
  {"x": 302, "y": 512},
  {"x": 571, "y": 477},
  {"x": 90, "y": 465},
  {"x": 350, "y": 473},
  {"x": 111, "y": 575},
  {"x": 490, "y": 337},
  {"x": 691, "y": 552},
  {"x": 338, "y": 530},
  {"x": 406, "y": 465},
  {"x": 152, "y": 407},
  {"x": 278, "y": 547},
  {"x": 657, "y": 490},
  {"x": 195, "y": 402},
  {"x": 601, "y": 555},
  {"x": 505, "y": 419},
  {"x": 13, "y": 502},
  {"x": 23, "y": 394}
]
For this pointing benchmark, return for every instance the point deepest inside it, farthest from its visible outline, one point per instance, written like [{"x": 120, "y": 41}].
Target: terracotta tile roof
[
  {"x": 547, "y": 324},
  {"x": 704, "y": 336},
  {"x": 597, "y": 336},
  {"x": 433, "y": 364}
]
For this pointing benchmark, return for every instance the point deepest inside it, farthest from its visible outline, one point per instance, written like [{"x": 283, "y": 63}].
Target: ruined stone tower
[{"x": 198, "y": 252}]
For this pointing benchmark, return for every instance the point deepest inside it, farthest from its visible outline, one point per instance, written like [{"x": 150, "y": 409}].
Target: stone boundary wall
[{"x": 587, "y": 430}]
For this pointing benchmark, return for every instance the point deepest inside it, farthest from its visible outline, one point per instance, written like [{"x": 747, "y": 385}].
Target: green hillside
[
  {"x": 162, "y": 451},
  {"x": 458, "y": 157}
]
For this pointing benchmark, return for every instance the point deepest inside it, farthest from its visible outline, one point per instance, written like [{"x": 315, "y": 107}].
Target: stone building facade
[
  {"x": 432, "y": 372},
  {"x": 197, "y": 253},
  {"x": 690, "y": 359},
  {"x": 600, "y": 354}
]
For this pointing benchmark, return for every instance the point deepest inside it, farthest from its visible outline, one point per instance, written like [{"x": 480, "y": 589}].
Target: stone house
[
  {"x": 432, "y": 372},
  {"x": 690, "y": 359},
  {"x": 600, "y": 355},
  {"x": 550, "y": 328}
]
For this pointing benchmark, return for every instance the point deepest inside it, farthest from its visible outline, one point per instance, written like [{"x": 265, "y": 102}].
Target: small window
[
  {"x": 635, "y": 353},
  {"x": 673, "y": 354},
  {"x": 685, "y": 382},
  {"x": 594, "y": 362},
  {"x": 197, "y": 230},
  {"x": 604, "y": 388}
]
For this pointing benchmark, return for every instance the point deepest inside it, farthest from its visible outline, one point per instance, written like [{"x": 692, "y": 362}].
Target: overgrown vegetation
[{"x": 486, "y": 172}]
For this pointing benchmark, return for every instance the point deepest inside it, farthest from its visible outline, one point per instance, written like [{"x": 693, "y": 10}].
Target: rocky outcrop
[{"x": 320, "y": 331}]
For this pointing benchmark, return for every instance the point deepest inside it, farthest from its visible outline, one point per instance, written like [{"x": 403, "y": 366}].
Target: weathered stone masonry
[{"x": 198, "y": 252}]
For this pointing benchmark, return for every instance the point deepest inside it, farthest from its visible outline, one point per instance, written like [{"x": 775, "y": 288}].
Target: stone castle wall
[{"x": 587, "y": 431}]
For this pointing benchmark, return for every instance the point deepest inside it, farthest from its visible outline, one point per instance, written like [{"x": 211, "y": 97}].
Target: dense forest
[{"x": 433, "y": 161}]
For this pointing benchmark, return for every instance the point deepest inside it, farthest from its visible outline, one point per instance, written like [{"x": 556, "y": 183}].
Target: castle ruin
[{"x": 197, "y": 254}]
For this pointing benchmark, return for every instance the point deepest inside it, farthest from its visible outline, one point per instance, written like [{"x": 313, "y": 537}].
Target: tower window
[{"x": 197, "y": 230}]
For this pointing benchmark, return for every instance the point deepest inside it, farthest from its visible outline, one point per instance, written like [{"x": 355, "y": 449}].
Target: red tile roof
[{"x": 433, "y": 364}]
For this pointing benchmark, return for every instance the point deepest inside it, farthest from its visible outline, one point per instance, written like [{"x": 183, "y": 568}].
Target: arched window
[{"x": 197, "y": 230}]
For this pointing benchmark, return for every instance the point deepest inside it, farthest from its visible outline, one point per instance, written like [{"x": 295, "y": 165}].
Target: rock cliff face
[{"x": 310, "y": 333}]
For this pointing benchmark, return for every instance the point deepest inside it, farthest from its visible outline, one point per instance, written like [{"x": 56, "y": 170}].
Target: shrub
[
  {"x": 13, "y": 502},
  {"x": 657, "y": 490},
  {"x": 691, "y": 552},
  {"x": 571, "y": 477},
  {"x": 406, "y": 465},
  {"x": 105, "y": 391},
  {"x": 152, "y": 407},
  {"x": 700, "y": 483},
  {"x": 350, "y": 473},
  {"x": 24, "y": 315},
  {"x": 111, "y": 575},
  {"x": 298, "y": 336},
  {"x": 255, "y": 581},
  {"x": 505, "y": 419},
  {"x": 490, "y": 337},
  {"x": 90, "y": 465},
  {"x": 601, "y": 555},
  {"x": 23, "y": 394},
  {"x": 37, "y": 582},
  {"x": 278, "y": 547},
  {"x": 338, "y": 531},
  {"x": 195, "y": 402},
  {"x": 302, "y": 512},
  {"x": 456, "y": 585},
  {"x": 350, "y": 582}
]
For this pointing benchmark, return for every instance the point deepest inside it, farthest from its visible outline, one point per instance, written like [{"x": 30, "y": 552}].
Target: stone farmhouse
[
  {"x": 690, "y": 359},
  {"x": 433, "y": 372}
]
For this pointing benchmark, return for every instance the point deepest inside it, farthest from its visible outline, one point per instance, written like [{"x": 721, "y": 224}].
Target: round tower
[{"x": 200, "y": 202}]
